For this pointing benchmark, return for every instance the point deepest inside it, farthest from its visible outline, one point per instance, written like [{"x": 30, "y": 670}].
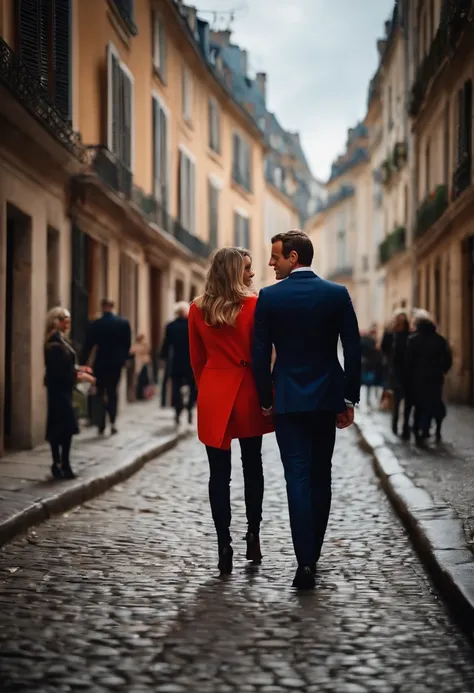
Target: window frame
[
  {"x": 242, "y": 229},
  {"x": 187, "y": 94},
  {"x": 214, "y": 137},
  {"x": 188, "y": 221},
  {"x": 244, "y": 152},
  {"x": 160, "y": 46},
  {"x": 112, "y": 53},
  {"x": 156, "y": 98}
]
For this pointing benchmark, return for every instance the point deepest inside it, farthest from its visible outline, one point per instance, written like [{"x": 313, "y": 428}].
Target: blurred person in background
[
  {"x": 397, "y": 372},
  {"x": 372, "y": 372},
  {"x": 142, "y": 360},
  {"x": 428, "y": 359}
]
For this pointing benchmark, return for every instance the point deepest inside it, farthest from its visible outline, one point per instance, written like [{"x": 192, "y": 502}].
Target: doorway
[
  {"x": 18, "y": 299},
  {"x": 470, "y": 303}
]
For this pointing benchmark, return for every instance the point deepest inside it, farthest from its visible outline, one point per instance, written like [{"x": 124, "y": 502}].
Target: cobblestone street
[{"x": 122, "y": 594}]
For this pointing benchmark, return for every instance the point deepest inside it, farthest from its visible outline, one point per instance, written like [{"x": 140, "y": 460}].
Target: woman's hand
[
  {"x": 84, "y": 369},
  {"x": 84, "y": 377}
]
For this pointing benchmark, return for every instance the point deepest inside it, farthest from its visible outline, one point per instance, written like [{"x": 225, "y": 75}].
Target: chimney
[
  {"x": 203, "y": 31},
  {"x": 221, "y": 37},
  {"x": 261, "y": 80},
  {"x": 388, "y": 27},
  {"x": 243, "y": 62}
]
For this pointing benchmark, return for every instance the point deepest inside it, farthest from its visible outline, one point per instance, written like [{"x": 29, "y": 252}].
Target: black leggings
[
  {"x": 60, "y": 452},
  {"x": 219, "y": 487}
]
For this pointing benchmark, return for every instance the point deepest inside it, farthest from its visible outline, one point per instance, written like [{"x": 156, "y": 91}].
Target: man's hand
[{"x": 345, "y": 418}]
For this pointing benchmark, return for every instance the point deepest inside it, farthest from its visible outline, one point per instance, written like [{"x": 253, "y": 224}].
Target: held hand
[
  {"x": 345, "y": 418},
  {"x": 267, "y": 412},
  {"x": 83, "y": 377},
  {"x": 85, "y": 369}
]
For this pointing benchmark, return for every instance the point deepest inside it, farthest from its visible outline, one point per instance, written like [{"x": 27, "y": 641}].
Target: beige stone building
[
  {"x": 124, "y": 159},
  {"x": 394, "y": 172},
  {"x": 341, "y": 229},
  {"x": 279, "y": 215},
  {"x": 441, "y": 107}
]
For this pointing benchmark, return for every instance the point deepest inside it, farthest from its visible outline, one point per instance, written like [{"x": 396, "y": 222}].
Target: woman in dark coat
[
  {"x": 60, "y": 378},
  {"x": 399, "y": 385},
  {"x": 429, "y": 358}
]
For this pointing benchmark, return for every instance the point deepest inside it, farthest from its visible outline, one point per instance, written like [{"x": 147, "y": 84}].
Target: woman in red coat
[{"x": 220, "y": 336}]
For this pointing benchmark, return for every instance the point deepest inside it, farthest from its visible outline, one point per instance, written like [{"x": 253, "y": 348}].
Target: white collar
[{"x": 302, "y": 269}]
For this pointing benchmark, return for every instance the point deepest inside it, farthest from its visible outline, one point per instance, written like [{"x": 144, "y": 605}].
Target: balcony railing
[
  {"x": 110, "y": 170},
  {"x": 393, "y": 244},
  {"x": 455, "y": 18},
  {"x": 155, "y": 213},
  {"x": 462, "y": 176},
  {"x": 431, "y": 209},
  {"x": 343, "y": 272},
  {"x": 27, "y": 90},
  {"x": 241, "y": 179}
]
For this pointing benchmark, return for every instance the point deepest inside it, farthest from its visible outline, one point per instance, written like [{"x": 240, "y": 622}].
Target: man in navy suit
[
  {"x": 308, "y": 393},
  {"x": 110, "y": 337}
]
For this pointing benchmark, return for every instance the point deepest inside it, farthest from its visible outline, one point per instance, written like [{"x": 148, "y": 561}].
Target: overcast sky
[{"x": 319, "y": 56}]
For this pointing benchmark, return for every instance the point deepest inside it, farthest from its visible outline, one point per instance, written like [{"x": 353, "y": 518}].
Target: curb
[
  {"x": 436, "y": 531},
  {"x": 83, "y": 490}
]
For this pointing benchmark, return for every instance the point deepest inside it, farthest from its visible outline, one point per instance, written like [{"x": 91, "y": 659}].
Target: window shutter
[
  {"x": 156, "y": 148},
  {"x": 246, "y": 164},
  {"x": 127, "y": 93},
  {"x": 113, "y": 92},
  {"x": 62, "y": 56},
  {"x": 181, "y": 174},
  {"x": 211, "y": 139},
  {"x": 163, "y": 134},
  {"x": 246, "y": 233},
  {"x": 236, "y": 230},
  {"x": 192, "y": 197},
  {"x": 235, "y": 154},
  {"x": 163, "y": 51},
  {"x": 468, "y": 117},
  {"x": 29, "y": 35},
  {"x": 46, "y": 44}
]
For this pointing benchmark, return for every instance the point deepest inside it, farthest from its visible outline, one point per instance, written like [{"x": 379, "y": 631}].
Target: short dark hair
[{"x": 298, "y": 241}]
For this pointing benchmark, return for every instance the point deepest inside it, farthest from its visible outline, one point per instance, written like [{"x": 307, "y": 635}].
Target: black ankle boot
[
  {"x": 68, "y": 473},
  {"x": 254, "y": 552},
  {"x": 57, "y": 471},
  {"x": 225, "y": 560}
]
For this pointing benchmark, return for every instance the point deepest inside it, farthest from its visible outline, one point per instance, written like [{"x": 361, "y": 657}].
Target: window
[
  {"x": 120, "y": 109},
  {"x": 428, "y": 168},
  {"x": 241, "y": 162},
  {"x": 213, "y": 202},
  {"x": 278, "y": 177},
  {"x": 446, "y": 136},
  {"x": 187, "y": 94},
  {"x": 44, "y": 45},
  {"x": 187, "y": 192},
  {"x": 241, "y": 230},
  {"x": 464, "y": 134},
  {"x": 126, "y": 10},
  {"x": 341, "y": 250},
  {"x": 161, "y": 186},
  {"x": 159, "y": 46},
  {"x": 214, "y": 126}
]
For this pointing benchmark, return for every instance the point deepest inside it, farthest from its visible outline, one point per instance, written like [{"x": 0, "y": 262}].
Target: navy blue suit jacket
[
  {"x": 111, "y": 335},
  {"x": 303, "y": 316}
]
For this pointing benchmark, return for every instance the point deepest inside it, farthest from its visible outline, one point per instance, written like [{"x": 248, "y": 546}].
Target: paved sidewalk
[
  {"x": 29, "y": 495},
  {"x": 432, "y": 490}
]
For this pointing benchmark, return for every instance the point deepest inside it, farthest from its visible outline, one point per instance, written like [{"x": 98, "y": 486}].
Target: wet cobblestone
[{"x": 122, "y": 594}]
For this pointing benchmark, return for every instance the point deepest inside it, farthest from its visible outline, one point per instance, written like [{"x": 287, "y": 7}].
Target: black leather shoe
[
  {"x": 57, "y": 472},
  {"x": 254, "y": 552},
  {"x": 225, "y": 560},
  {"x": 304, "y": 578},
  {"x": 113, "y": 429},
  {"x": 68, "y": 472}
]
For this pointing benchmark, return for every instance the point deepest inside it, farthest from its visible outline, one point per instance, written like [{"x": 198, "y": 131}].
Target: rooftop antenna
[{"x": 222, "y": 20}]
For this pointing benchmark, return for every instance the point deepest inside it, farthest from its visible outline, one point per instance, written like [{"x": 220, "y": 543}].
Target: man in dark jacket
[
  {"x": 175, "y": 351},
  {"x": 110, "y": 338},
  {"x": 429, "y": 358}
]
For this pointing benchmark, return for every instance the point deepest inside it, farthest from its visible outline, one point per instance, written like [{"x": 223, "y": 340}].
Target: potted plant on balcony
[
  {"x": 386, "y": 171},
  {"x": 399, "y": 154}
]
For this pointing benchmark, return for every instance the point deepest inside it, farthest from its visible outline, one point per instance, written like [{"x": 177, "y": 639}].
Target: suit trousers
[
  {"x": 107, "y": 384},
  {"x": 306, "y": 441}
]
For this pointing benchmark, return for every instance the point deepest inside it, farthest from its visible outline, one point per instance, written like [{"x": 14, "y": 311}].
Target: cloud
[{"x": 319, "y": 56}]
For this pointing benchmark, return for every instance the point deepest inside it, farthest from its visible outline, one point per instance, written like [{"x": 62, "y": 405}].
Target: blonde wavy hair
[
  {"x": 225, "y": 290},
  {"x": 53, "y": 319}
]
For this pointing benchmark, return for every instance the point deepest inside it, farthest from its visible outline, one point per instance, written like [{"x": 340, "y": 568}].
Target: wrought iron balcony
[
  {"x": 431, "y": 209},
  {"x": 393, "y": 244},
  {"x": 27, "y": 90},
  {"x": 110, "y": 170},
  {"x": 455, "y": 18},
  {"x": 191, "y": 242},
  {"x": 343, "y": 272},
  {"x": 155, "y": 213},
  {"x": 462, "y": 176}
]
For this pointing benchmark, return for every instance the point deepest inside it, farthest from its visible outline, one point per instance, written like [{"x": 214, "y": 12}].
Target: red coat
[{"x": 228, "y": 406}]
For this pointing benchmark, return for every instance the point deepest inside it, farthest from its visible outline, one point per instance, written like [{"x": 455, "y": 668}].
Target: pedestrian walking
[
  {"x": 371, "y": 363},
  {"x": 110, "y": 338},
  {"x": 309, "y": 393},
  {"x": 141, "y": 353},
  {"x": 397, "y": 372},
  {"x": 220, "y": 330},
  {"x": 175, "y": 351},
  {"x": 429, "y": 358},
  {"x": 61, "y": 375}
]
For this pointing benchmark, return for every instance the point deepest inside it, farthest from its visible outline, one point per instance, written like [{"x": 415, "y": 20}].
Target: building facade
[
  {"x": 340, "y": 228},
  {"x": 279, "y": 216},
  {"x": 441, "y": 44},
  {"x": 127, "y": 162},
  {"x": 394, "y": 172}
]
